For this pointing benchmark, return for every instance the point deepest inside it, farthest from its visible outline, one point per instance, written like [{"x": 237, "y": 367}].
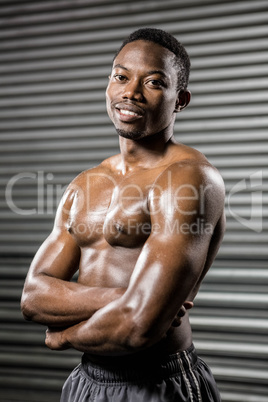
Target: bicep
[
  {"x": 58, "y": 256},
  {"x": 165, "y": 274}
]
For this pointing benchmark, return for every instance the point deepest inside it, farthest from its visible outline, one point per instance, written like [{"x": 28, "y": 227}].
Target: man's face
[{"x": 142, "y": 92}]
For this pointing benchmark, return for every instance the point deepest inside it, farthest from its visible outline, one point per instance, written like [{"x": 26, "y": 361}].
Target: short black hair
[{"x": 165, "y": 39}]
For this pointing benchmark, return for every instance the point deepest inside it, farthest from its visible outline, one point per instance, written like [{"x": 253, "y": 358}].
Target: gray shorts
[{"x": 182, "y": 377}]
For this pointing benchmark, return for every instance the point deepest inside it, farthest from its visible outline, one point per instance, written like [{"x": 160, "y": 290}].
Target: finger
[
  {"x": 188, "y": 305},
  {"x": 176, "y": 322},
  {"x": 181, "y": 312}
]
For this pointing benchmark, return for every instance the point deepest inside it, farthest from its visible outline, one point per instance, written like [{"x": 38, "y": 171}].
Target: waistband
[{"x": 136, "y": 371}]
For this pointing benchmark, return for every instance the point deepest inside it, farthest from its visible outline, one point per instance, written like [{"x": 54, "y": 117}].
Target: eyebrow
[
  {"x": 120, "y": 66},
  {"x": 151, "y": 72}
]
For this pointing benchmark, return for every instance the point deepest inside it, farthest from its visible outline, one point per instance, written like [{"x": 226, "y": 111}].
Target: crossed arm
[
  {"x": 169, "y": 268},
  {"x": 49, "y": 297}
]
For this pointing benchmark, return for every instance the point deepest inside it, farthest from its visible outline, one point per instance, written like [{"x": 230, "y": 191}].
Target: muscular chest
[{"x": 112, "y": 210}]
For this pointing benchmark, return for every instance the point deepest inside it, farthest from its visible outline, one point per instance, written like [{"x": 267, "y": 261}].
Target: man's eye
[
  {"x": 156, "y": 83},
  {"x": 119, "y": 77}
]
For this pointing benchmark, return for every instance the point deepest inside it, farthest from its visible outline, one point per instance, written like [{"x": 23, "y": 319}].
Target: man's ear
[{"x": 183, "y": 99}]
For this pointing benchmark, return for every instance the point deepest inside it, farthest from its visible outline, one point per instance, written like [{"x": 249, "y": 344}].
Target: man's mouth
[{"x": 128, "y": 112}]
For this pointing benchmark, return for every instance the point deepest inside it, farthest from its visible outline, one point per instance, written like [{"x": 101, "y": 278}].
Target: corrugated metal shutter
[{"x": 54, "y": 60}]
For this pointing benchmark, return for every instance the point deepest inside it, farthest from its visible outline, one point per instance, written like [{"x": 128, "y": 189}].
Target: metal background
[{"x": 55, "y": 57}]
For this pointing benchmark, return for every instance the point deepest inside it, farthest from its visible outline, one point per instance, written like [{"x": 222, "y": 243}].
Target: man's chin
[{"x": 131, "y": 135}]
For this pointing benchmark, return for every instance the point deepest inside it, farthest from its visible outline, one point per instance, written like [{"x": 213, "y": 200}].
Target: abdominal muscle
[{"x": 106, "y": 266}]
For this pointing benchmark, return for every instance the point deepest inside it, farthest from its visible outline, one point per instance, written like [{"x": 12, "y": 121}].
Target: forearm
[
  {"x": 94, "y": 336},
  {"x": 84, "y": 338},
  {"x": 54, "y": 302},
  {"x": 113, "y": 330}
]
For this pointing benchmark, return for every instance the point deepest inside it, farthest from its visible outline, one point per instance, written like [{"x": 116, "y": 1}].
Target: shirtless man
[{"x": 143, "y": 228}]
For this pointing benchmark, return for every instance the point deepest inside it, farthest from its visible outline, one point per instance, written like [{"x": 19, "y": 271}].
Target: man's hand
[
  {"x": 55, "y": 339},
  {"x": 181, "y": 313}
]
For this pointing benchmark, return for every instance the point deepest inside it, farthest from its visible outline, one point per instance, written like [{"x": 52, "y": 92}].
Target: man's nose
[{"x": 133, "y": 90}]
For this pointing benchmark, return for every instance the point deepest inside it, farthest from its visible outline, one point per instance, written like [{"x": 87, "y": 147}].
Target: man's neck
[{"x": 144, "y": 153}]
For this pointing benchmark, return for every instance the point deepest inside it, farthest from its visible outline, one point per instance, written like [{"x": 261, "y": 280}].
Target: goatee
[{"x": 131, "y": 135}]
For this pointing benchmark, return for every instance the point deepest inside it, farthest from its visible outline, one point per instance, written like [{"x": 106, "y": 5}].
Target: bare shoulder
[
  {"x": 106, "y": 168},
  {"x": 190, "y": 166},
  {"x": 79, "y": 188},
  {"x": 191, "y": 181}
]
